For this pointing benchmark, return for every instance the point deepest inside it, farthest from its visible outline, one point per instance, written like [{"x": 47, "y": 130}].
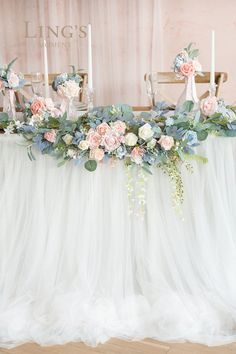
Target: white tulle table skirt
[{"x": 75, "y": 266}]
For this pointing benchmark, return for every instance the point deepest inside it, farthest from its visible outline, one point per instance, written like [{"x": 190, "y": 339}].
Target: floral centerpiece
[
  {"x": 186, "y": 66},
  {"x": 67, "y": 86},
  {"x": 9, "y": 83}
]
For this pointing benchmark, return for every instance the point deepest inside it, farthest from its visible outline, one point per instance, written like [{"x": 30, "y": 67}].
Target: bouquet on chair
[
  {"x": 9, "y": 83},
  {"x": 67, "y": 86},
  {"x": 186, "y": 66}
]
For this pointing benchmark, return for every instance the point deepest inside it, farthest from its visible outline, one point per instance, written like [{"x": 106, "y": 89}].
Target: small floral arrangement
[
  {"x": 67, "y": 85},
  {"x": 39, "y": 109},
  {"x": 9, "y": 79},
  {"x": 186, "y": 63}
]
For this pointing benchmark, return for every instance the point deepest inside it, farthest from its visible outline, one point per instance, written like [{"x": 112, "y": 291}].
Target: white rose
[
  {"x": 145, "y": 132},
  {"x": 151, "y": 144},
  {"x": 67, "y": 139},
  {"x": 71, "y": 153},
  {"x": 84, "y": 145},
  {"x": 69, "y": 89},
  {"x": 131, "y": 139},
  {"x": 197, "y": 66},
  {"x": 36, "y": 118}
]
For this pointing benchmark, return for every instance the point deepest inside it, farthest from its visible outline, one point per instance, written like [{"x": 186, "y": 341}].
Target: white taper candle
[
  {"x": 212, "y": 75},
  {"x": 90, "y": 60},
  {"x": 45, "y": 55}
]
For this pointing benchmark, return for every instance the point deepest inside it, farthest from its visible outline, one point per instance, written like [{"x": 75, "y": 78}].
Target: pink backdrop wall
[{"x": 130, "y": 37}]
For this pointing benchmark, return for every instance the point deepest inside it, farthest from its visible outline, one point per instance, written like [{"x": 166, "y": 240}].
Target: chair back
[{"x": 170, "y": 78}]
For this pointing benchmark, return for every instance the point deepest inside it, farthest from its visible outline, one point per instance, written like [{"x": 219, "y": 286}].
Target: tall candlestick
[
  {"x": 90, "y": 61},
  {"x": 45, "y": 53},
  {"x": 212, "y": 75}
]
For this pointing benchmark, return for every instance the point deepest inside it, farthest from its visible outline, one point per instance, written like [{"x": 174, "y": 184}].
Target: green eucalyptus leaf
[
  {"x": 146, "y": 168},
  {"x": 53, "y": 122},
  {"x": 230, "y": 133},
  {"x": 90, "y": 165},
  {"x": 188, "y": 106},
  {"x": 11, "y": 63},
  {"x": 202, "y": 135},
  {"x": 61, "y": 163},
  {"x": 196, "y": 157},
  {"x": 3, "y": 117}
]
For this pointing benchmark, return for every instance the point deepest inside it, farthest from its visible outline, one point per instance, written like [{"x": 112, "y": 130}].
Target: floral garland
[{"x": 159, "y": 138}]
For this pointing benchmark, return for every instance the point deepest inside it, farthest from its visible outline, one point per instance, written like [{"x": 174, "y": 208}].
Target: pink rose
[
  {"x": 209, "y": 106},
  {"x": 166, "y": 142},
  {"x": 111, "y": 141},
  {"x": 137, "y": 154},
  {"x": 36, "y": 106},
  {"x": 50, "y": 136},
  {"x": 13, "y": 80},
  {"x": 93, "y": 138},
  {"x": 119, "y": 127},
  {"x": 187, "y": 69},
  {"x": 102, "y": 128},
  {"x": 96, "y": 154}
]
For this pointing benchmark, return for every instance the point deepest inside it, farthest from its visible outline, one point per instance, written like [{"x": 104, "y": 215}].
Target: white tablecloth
[{"x": 74, "y": 265}]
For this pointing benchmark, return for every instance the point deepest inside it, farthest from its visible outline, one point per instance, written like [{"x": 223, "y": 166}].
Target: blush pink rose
[
  {"x": 50, "y": 136},
  {"x": 96, "y": 154},
  {"x": 103, "y": 128},
  {"x": 209, "y": 106},
  {"x": 166, "y": 142},
  {"x": 137, "y": 154},
  {"x": 119, "y": 127},
  {"x": 187, "y": 69},
  {"x": 93, "y": 138},
  {"x": 36, "y": 106},
  {"x": 111, "y": 141}
]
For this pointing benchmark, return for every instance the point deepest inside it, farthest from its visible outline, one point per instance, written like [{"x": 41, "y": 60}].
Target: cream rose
[
  {"x": 83, "y": 145},
  {"x": 166, "y": 142},
  {"x": 145, "y": 132},
  {"x": 131, "y": 139},
  {"x": 67, "y": 139},
  {"x": 151, "y": 144}
]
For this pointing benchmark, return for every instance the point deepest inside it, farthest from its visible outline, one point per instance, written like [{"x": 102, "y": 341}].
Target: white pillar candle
[
  {"x": 90, "y": 61},
  {"x": 212, "y": 75},
  {"x": 45, "y": 55}
]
